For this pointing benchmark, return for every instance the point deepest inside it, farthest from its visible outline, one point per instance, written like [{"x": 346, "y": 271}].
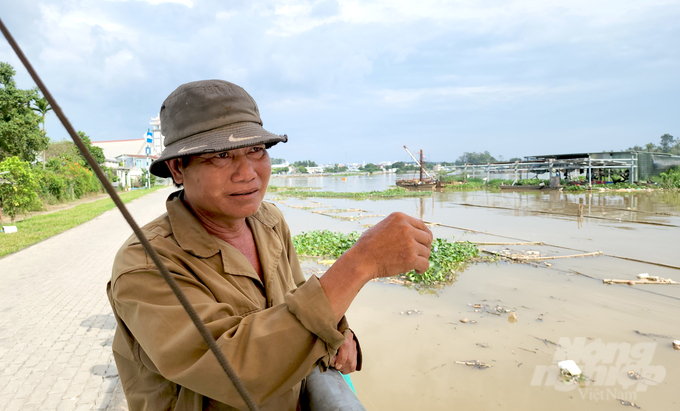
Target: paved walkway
[{"x": 56, "y": 326}]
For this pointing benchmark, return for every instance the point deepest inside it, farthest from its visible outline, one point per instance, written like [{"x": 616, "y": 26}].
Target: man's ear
[{"x": 176, "y": 169}]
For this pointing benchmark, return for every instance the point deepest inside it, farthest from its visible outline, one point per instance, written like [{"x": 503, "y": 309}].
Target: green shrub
[
  {"x": 671, "y": 178},
  {"x": 18, "y": 192}
]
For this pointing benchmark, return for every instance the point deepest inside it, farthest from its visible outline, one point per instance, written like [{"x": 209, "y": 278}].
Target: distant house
[{"x": 128, "y": 158}]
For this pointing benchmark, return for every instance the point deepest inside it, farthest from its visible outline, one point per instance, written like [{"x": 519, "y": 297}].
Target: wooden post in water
[{"x": 421, "y": 165}]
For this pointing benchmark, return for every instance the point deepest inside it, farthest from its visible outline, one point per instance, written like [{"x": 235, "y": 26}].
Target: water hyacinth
[{"x": 445, "y": 259}]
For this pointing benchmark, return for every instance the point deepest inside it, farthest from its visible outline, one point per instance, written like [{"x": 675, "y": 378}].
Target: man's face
[{"x": 226, "y": 186}]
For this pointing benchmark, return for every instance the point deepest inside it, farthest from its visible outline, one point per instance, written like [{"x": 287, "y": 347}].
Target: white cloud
[
  {"x": 480, "y": 94},
  {"x": 345, "y": 58}
]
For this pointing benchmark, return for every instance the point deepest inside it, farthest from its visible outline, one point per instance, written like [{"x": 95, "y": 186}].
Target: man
[{"x": 233, "y": 257}]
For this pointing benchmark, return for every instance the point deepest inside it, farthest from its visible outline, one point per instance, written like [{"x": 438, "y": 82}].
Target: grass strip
[
  {"x": 37, "y": 228},
  {"x": 446, "y": 258}
]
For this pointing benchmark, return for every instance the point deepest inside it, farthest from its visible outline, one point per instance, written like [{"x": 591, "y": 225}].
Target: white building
[
  {"x": 158, "y": 138},
  {"x": 129, "y": 158}
]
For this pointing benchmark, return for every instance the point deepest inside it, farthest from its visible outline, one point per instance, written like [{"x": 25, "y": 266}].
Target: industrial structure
[{"x": 631, "y": 166}]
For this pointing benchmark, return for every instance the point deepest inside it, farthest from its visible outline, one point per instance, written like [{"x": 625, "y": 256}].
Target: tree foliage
[
  {"x": 67, "y": 151},
  {"x": 97, "y": 152},
  {"x": 42, "y": 107},
  {"x": 335, "y": 169},
  {"x": 476, "y": 158},
  {"x": 306, "y": 163},
  {"x": 20, "y": 133},
  {"x": 667, "y": 144},
  {"x": 370, "y": 168}
]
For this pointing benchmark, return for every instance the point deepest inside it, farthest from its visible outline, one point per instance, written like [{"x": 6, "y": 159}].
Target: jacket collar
[{"x": 190, "y": 234}]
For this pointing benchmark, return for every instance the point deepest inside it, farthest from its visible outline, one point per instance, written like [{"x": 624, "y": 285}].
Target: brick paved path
[{"x": 56, "y": 325}]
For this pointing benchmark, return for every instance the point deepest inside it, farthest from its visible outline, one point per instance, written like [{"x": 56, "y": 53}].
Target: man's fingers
[
  {"x": 422, "y": 237},
  {"x": 420, "y": 225},
  {"x": 423, "y": 251}
]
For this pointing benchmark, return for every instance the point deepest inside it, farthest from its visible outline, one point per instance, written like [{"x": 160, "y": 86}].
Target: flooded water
[{"x": 619, "y": 335}]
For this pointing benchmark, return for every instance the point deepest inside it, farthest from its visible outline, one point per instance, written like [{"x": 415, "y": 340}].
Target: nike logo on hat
[
  {"x": 236, "y": 139},
  {"x": 183, "y": 149}
]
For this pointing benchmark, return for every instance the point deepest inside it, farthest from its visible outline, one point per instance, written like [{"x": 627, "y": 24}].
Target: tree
[
  {"x": 476, "y": 158},
  {"x": 667, "y": 141},
  {"x": 42, "y": 107},
  {"x": 97, "y": 152},
  {"x": 66, "y": 150},
  {"x": 18, "y": 187},
  {"x": 370, "y": 168},
  {"x": 515, "y": 159},
  {"x": 335, "y": 169},
  {"x": 20, "y": 133},
  {"x": 277, "y": 161},
  {"x": 306, "y": 163}
]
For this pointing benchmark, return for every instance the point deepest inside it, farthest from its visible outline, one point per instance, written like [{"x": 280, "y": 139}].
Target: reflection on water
[{"x": 352, "y": 184}]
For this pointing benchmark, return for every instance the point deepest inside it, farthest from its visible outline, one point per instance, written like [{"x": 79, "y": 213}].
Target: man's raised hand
[{"x": 396, "y": 245}]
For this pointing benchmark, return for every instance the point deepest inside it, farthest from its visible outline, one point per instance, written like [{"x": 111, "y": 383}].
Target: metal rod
[{"x": 203, "y": 330}]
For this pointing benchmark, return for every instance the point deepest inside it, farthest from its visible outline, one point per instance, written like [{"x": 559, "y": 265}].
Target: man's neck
[{"x": 229, "y": 231}]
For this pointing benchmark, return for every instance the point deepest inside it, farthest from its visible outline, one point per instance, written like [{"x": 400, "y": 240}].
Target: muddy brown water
[{"x": 411, "y": 339}]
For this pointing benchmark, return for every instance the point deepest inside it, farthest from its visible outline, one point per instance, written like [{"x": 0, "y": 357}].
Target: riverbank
[{"x": 42, "y": 225}]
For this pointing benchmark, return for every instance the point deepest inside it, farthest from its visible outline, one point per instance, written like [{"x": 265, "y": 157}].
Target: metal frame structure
[{"x": 554, "y": 164}]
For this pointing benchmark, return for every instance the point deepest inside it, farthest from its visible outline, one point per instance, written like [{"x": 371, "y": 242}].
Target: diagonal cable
[{"x": 202, "y": 329}]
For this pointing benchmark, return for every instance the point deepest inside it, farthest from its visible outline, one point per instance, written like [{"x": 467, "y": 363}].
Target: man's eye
[{"x": 223, "y": 154}]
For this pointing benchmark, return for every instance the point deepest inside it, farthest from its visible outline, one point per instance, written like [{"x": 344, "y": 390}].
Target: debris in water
[
  {"x": 409, "y": 312},
  {"x": 628, "y": 403},
  {"x": 649, "y": 280},
  {"x": 434, "y": 368},
  {"x": 474, "y": 363},
  {"x": 651, "y": 335},
  {"x": 512, "y": 317},
  {"x": 483, "y": 345},
  {"x": 634, "y": 375},
  {"x": 464, "y": 320},
  {"x": 676, "y": 345},
  {"x": 569, "y": 367},
  {"x": 546, "y": 341}
]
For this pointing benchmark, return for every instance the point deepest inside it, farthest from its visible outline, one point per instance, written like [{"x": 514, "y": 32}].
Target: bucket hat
[{"x": 209, "y": 116}]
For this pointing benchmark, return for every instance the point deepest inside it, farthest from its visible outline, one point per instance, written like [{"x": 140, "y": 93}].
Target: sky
[{"x": 355, "y": 81}]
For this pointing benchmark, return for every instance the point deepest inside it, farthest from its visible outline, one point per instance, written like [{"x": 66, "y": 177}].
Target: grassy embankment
[
  {"x": 446, "y": 258},
  {"x": 40, "y": 227}
]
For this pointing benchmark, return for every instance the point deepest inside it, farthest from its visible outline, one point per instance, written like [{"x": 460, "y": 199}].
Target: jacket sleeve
[
  {"x": 298, "y": 276},
  {"x": 271, "y": 350}
]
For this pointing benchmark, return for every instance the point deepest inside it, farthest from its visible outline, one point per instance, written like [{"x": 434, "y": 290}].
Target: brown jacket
[{"x": 273, "y": 334}]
